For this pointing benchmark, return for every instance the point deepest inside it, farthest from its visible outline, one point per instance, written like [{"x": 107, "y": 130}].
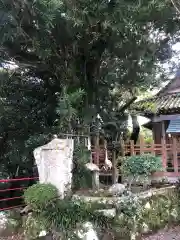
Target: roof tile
[{"x": 158, "y": 104}]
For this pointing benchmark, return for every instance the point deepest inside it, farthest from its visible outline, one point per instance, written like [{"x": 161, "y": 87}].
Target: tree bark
[{"x": 136, "y": 129}]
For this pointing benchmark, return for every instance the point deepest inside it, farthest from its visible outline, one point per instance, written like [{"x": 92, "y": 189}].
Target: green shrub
[
  {"x": 39, "y": 196},
  {"x": 42, "y": 198},
  {"x": 61, "y": 214},
  {"x": 141, "y": 165},
  {"x": 133, "y": 215},
  {"x": 130, "y": 205}
]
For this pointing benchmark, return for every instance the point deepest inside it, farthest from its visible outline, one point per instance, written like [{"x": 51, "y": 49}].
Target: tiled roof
[
  {"x": 159, "y": 104},
  {"x": 174, "y": 126}
]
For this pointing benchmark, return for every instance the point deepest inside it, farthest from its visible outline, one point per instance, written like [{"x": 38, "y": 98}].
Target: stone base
[
  {"x": 153, "y": 179},
  {"x": 141, "y": 181},
  {"x": 171, "y": 180},
  {"x": 138, "y": 189}
]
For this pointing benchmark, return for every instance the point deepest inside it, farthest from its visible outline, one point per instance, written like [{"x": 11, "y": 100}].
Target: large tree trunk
[{"x": 136, "y": 129}]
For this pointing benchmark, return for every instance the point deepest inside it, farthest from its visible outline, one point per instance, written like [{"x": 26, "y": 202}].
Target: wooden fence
[{"x": 169, "y": 153}]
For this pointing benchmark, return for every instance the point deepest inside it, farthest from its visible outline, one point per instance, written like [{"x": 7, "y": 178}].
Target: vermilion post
[
  {"x": 141, "y": 140},
  {"x": 132, "y": 147},
  {"x": 174, "y": 149},
  {"x": 163, "y": 153}
]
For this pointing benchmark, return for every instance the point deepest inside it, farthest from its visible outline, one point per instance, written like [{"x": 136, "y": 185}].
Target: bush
[
  {"x": 133, "y": 215},
  {"x": 141, "y": 165},
  {"x": 130, "y": 205},
  {"x": 39, "y": 196},
  {"x": 62, "y": 215}
]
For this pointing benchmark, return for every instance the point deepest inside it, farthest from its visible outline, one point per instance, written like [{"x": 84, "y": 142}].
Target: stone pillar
[{"x": 54, "y": 162}]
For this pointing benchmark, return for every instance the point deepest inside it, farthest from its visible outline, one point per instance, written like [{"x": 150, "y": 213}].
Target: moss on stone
[
  {"x": 160, "y": 210},
  {"x": 127, "y": 216}
]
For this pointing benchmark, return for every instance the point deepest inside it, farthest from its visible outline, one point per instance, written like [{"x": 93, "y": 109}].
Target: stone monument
[{"x": 54, "y": 162}]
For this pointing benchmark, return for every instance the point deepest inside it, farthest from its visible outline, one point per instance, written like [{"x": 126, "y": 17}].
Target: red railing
[{"x": 8, "y": 200}]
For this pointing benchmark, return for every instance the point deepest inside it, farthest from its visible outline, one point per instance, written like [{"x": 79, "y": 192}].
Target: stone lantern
[
  {"x": 95, "y": 174},
  {"x": 54, "y": 162}
]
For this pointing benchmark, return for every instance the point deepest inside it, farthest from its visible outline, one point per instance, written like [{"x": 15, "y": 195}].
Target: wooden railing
[
  {"x": 169, "y": 153},
  {"x": 11, "y": 196}
]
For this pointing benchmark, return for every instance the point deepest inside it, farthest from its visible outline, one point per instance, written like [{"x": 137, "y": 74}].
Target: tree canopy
[{"x": 75, "y": 59}]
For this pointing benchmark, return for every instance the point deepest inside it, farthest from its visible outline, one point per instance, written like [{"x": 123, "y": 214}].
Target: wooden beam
[{"x": 165, "y": 117}]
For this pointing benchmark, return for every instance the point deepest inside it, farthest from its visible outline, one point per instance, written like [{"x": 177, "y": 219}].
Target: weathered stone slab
[{"x": 54, "y": 163}]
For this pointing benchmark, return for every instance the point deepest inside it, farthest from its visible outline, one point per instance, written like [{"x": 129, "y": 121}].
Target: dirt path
[{"x": 166, "y": 234}]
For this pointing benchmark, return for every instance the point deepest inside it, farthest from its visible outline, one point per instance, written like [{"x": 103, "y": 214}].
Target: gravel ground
[{"x": 166, "y": 234}]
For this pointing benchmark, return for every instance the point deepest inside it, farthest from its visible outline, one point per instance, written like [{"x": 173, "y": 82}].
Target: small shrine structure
[{"x": 163, "y": 112}]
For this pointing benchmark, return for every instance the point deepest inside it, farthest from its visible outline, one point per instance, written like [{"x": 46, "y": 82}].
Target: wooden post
[
  {"x": 95, "y": 180},
  {"x": 174, "y": 148},
  {"x": 132, "y": 148},
  {"x": 163, "y": 143},
  {"x": 97, "y": 159},
  {"x": 122, "y": 147},
  {"x": 114, "y": 167},
  {"x": 97, "y": 149},
  {"x": 163, "y": 132},
  {"x": 153, "y": 132},
  {"x": 153, "y": 152},
  {"x": 164, "y": 153},
  {"x": 141, "y": 142}
]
